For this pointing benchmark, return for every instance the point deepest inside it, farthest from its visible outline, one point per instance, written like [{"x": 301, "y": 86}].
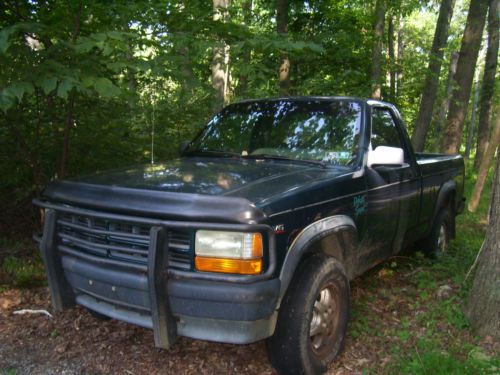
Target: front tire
[{"x": 312, "y": 320}]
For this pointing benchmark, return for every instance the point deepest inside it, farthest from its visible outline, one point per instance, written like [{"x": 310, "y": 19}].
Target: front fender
[{"x": 334, "y": 235}]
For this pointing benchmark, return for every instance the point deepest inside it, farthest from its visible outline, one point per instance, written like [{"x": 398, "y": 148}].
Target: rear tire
[
  {"x": 436, "y": 245},
  {"x": 312, "y": 320}
]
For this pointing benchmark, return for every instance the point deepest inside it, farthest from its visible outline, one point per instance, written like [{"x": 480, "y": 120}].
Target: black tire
[
  {"x": 317, "y": 300},
  {"x": 437, "y": 243}
]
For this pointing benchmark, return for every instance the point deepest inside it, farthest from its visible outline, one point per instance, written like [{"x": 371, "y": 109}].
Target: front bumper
[
  {"x": 224, "y": 308},
  {"x": 208, "y": 310}
]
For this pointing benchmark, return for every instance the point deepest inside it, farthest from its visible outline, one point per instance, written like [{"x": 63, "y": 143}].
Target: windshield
[{"x": 302, "y": 130}]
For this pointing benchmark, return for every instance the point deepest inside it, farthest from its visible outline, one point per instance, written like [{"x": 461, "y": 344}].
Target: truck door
[{"x": 390, "y": 191}]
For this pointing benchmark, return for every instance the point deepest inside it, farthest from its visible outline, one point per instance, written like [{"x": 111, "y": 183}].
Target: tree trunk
[
  {"x": 489, "y": 153},
  {"x": 445, "y": 104},
  {"x": 378, "y": 34},
  {"x": 392, "y": 62},
  {"x": 67, "y": 128},
  {"x": 401, "y": 46},
  {"x": 186, "y": 71},
  {"x": 431, "y": 84},
  {"x": 472, "y": 124},
  {"x": 247, "y": 53},
  {"x": 469, "y": 50},
  {"x": 219, "y": 59},
  {"x": 484, "y": 297},
  {"x": 487, "y": 89},
  {"x": 282, "y": 29}
]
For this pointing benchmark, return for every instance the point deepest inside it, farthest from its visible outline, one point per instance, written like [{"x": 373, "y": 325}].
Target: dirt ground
[{"x": 75, "y": 342}]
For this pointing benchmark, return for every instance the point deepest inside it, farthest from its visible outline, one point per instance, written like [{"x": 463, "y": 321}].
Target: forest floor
[{"x": 407, "y": 317}]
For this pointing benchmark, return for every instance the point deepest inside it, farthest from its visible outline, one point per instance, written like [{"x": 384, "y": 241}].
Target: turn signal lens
[
  {"x": 257, "y": 247},
  {"x": 239, "y": 266}
]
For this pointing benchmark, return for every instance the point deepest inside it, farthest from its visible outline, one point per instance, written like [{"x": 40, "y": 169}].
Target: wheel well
[
  {"x": 338, "y": 244},
  {"x": 448, "y": 202},
  {"x": 335, "y": 236}
]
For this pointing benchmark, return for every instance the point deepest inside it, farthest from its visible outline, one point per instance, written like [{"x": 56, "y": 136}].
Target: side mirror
[
  {"x": 384, "y": 155},
  {"x": 183, "y": 146}
]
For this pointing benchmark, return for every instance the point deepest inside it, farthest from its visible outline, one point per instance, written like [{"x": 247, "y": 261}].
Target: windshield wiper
[{"x": 284, "y": 158}]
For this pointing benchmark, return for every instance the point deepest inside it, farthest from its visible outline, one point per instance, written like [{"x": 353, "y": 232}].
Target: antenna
[{"x": 153, "y": 129}]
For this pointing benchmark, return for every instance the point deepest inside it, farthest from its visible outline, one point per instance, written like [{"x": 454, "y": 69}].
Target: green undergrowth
[
  {"x": 412, "y": 309},
  {"x": 20, "y": 264},
  {"x": 428, "y": 357}
]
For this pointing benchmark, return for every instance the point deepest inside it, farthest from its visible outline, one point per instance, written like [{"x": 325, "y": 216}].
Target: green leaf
[
  {"x": 18, "y": 89},
  {"x": 106, "y": 88},
  {"x": 117, "y": 66},
  {"x": 64, "y": 87},
  {"x": 6, "y": 101},
  {"x": 84, "y": 45},
  {"x": 4, "y": 41},
  {"x": 316, "y": 48},
  {"x": 5, "y": 35},
  {"x": 48, "y": 84},
  {"x": 88, "y": 82}
]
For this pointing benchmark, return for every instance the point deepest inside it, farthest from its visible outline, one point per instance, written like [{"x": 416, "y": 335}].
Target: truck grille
[{"x": 118, "y": 241}]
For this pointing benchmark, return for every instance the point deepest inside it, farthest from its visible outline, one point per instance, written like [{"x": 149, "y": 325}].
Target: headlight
[{"x": 228, "y": 252}]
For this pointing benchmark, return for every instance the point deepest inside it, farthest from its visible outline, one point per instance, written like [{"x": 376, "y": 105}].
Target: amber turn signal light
[
  {"x": 239, "y": 266},
  {"x": 257, "y": 247}
]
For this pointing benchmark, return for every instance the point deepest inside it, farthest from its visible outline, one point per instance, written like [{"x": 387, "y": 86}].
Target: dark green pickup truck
[{"x": 256, "y": 230}]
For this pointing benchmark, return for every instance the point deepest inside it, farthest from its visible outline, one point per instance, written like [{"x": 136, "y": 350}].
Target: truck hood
[
  {"x": 247, "y": 178},
  {"x": 191, "y": 186}
]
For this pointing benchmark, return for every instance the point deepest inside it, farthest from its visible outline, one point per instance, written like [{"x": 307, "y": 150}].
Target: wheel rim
[
  {"x": 442, "y": 240},
  {"x": 324, "y": 321}
]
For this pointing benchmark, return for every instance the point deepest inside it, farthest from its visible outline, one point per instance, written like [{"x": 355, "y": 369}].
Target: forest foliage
[{"x": 90, "y": 85}]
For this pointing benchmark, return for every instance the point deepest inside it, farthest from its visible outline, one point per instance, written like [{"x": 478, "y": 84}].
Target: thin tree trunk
[
  {"x": 445, "y": 104},
  {"x": 282, "y": 29},
  {"x": 131, "y": 76},
  {"x": 227, "y": 74},
  {"x": 247, "y": 53},
  {"x": 392, "y": 62},
  {"x": 378, "y": 33},
  {"x": 431, "y": 84},
  {"x": 469, "y": 50},
  {"x": 219, "y": 75},
  {"x": 484, "y": 297},
  {"x": 186, "y": 71},
  {"x": 67, "y": 129},
  {"x": 489, "y": 152},
  {"x": 472, "y": 124},
  {"x": 401, "y": 46},
  {"x": 487, "y": 89}
]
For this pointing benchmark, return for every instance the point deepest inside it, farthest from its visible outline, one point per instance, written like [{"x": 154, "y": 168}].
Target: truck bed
[
  {"x": 431, "y": 164},
  {"x": 425, "y": 157}
]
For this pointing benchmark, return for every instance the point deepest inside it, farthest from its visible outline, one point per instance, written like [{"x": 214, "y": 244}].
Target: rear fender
[{"x": 446, "y": 196}]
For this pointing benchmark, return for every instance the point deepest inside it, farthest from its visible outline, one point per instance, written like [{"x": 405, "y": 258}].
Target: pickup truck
[{"x": 256, "y": 230}]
